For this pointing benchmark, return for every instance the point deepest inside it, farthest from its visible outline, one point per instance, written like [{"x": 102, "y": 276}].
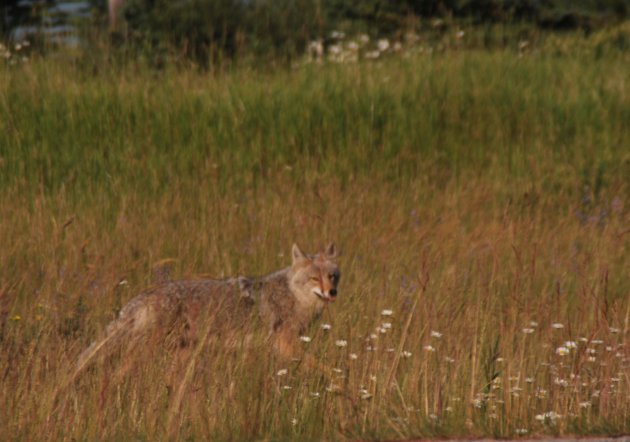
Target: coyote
[{"x": 286, "y": 302}]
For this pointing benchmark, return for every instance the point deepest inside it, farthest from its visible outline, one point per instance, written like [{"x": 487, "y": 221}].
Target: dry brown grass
[{"x": 470, "y": 262}]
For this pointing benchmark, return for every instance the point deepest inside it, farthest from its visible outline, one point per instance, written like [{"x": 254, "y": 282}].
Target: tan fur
[{"x": 286, "y": 302}]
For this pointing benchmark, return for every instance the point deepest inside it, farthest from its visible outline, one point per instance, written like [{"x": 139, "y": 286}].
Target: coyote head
[{"x": 314, "y": 278}]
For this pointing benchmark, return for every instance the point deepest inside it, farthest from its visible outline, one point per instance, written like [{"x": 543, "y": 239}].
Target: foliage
[
  {"x": 12, "y": 14},
  {"x": 207, "y": 30},
  {"x": 210, "y": 30},
  {"x": 199, "y": 29}
]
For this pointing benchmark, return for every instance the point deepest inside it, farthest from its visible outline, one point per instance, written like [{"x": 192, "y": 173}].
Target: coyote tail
[{"x": 115, "y": 332}]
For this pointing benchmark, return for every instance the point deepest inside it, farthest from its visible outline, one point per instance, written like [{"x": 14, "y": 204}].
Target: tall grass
[
  {"x": 481, "y": 197},
  {"x": 421, "y": 116}
]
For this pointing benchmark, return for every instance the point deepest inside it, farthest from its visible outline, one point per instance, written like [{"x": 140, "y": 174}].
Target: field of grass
[{"x": 480, "y": 201}]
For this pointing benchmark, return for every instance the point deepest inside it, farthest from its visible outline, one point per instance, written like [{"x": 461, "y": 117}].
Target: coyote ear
[
  {"x": 331, "y": 251},
  {"x": 298, "y": 255}
]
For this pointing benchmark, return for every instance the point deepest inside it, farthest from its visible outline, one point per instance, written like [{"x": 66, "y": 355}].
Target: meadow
[{"x": 480, "y": 200}]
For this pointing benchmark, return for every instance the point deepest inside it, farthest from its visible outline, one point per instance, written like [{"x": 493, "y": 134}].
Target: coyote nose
[{"x": 333, "y": 292}]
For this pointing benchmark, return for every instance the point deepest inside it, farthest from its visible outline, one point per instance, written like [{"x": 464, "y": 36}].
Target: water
[{"x": 58, "y": 23}]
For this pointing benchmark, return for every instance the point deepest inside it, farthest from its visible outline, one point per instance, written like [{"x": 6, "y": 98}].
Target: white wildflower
[
  {"x": 549, "y": 415},
  {"x": 570, "y": 344},
  {"x": 305, "y": 338},
  {"x": 341, "y": 343},
  {"x": 429, "y": 348},
  {"x": 326, "y": 326},
  {"x": 561, "y": 382},
  {"x": 406, "y": 354},
  {"x": 382, "y": 44},
  {"x": 353, "y": 356},
  {"x": 335, "y": 49},
  {"x": 562, "y": 351},
  {"x": 436, "y": 334},
  {"x": 387, "y": 312},
  {"x": 557, "y": 325},
  {"x": 528, "y": 331},
  {"x": 337, "y": 35},
  {"x": 282, "y": 372},
  {"x": 316, "y": 48}
]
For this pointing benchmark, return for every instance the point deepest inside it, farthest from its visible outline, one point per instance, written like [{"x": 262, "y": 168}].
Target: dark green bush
[
  {"x": 211, "y": 31},
  {"x": 208, "y": 31}
]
